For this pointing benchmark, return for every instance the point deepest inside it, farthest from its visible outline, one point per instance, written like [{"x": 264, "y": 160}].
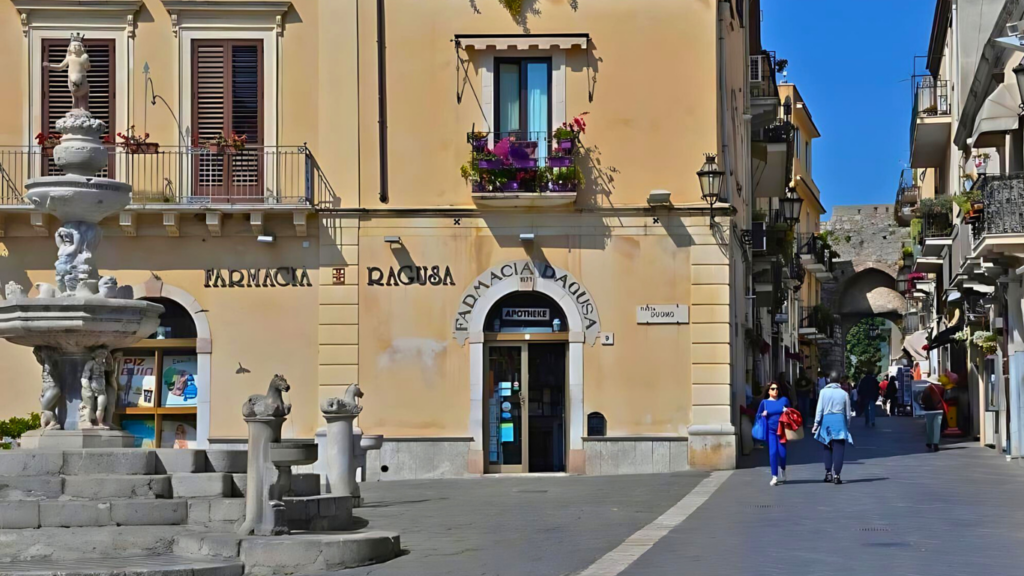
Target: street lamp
[
  {"x": 791, "y": 206},
  {"x": 710, "y": 177}
]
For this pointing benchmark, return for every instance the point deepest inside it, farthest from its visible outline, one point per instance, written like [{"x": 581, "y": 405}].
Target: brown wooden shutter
[
  {"x": 56, "y": 96},
  {"x": 229, "y": 98}
]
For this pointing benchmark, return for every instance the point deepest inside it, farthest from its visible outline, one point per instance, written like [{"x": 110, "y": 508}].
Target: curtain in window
[
  {"x": 538, "y": 125},
  {"x": 508, "y": 99}
]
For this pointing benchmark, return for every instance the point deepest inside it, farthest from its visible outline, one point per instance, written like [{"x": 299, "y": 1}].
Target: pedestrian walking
[
  {"x": 832, "y": 428},
  {"x": 804, "y": 390},
  {"x": 867, "y": 392},
  {"x": 934, "y": 410},
  {"x": 890, "y": 395},
  {"x": 774, "y": 402}
]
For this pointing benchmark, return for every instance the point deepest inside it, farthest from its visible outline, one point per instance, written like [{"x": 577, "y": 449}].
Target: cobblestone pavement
[{"x": 902, "y": 511}]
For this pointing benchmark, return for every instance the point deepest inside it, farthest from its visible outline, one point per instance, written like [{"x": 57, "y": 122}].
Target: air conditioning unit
[{"x": 758, "y": 237}]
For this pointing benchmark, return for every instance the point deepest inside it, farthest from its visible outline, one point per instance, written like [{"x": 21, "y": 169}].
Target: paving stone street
[{"x": 901, "y": 511}]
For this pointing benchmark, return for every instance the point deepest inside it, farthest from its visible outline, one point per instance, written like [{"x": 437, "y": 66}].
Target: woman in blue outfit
[
  {"x": 774, "y": 402},
  {"x": 832, "y": 427}
]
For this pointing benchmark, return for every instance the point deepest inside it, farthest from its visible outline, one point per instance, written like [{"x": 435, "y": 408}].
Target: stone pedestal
[
  {"x": 341, "y": 454},
  {"x": 75, "y": 439},
  {"x": 712, "y": 447},
  {"x": 265, "y": 513}
]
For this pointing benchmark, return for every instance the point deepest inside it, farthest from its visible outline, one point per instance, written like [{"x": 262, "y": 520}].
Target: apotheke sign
[
  {"x": 663, "y": 314},
  {"x": 536, "y": 314}
]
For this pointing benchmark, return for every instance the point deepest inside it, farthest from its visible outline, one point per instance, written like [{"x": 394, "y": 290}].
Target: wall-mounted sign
[
  {"x": 527, "y": 314},
  {"x": 257, "y": 278},
  {"x": 409, "y": 275},
  {"x": 526, "y": 274},
  {"x": 338, "y": 276},
  {"x": 663, "y": 314}
]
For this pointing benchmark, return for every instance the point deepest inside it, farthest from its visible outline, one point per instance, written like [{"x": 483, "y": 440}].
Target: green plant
[
  {"x": 987, "y": 341},
  {"x": 514, "y": 7},
  {"x": 937, "y": 206},
  {"x": 966, "y": 200},
  {"x": 759, "y": 215},
  {"x": 915, "y": 228},
  {"x": 781, "y": 64},
  {"x": 908, "y": 251},
  {"x": 15, "y": 427},
  {"x": 863, "y": 351},
  {"x": 823, "y": 319}
]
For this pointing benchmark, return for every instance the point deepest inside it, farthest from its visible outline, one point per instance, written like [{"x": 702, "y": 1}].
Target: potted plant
[
  {"x": 987, "y": 341},
  {"x": 218, "y": 144},
  {"x": 136, "y": 144},
  {"x": 48, "y": 142},
  {"x": 478, "y": 140},
  {"x": 227, "y": 144},
  {"x": 488, "y": 160},
  {"x": 566, "y": 135}
]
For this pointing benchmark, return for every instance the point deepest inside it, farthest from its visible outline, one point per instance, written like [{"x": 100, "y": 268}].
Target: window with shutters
[
  {"x": 56, "y": 97},
  {"x": 228, "y": 83}
]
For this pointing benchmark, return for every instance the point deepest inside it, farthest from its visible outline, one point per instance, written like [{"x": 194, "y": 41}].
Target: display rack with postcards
[{"x": 159, "y": 392}]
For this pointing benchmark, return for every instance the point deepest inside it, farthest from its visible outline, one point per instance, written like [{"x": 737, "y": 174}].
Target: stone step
[
  {"x": 222, "y": 513},
  {"x": 76, "y": 513},
  {"x": 204, "y": 485},
  {"x": 72, "y": 543},
  {"x": 30, "y": 487},
  {"x": 326, "y": 512},
  {"x": 124, "y": 461},
  {"x": 295, "y": 553},
  {"x": 157, "y": 565},
  {"x": 109, "y": 486}
]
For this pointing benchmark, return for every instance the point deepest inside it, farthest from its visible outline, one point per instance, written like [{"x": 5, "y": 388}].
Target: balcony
[
  {"x": 522, "y": 169},
  {"x": 935, "y": 232},
  {"x": 816, "y": 255},
  {"x": 999, "y": 229},
  {"x": 930, "y": 122},
  {"x": 820, "y": 326},
  {"x": 908, "y": 197},
  {"x": 188, "y": 177}
]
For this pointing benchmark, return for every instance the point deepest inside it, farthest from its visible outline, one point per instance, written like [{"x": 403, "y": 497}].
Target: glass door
[{"x": 506, "y": 433}]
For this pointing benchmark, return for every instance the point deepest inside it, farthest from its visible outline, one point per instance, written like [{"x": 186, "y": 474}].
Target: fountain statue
[{"x": 73, "y": 324}]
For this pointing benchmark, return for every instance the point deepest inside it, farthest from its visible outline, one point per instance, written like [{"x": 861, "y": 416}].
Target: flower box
[
  {"x": 490, "y": 164},
  {"x": 510, "y": 186},
  {"x": 48, "y": 151},
  {"x": 563, "y": 187},
  {"x": 560, "y": 161},
  {"x": 565, "y": 145},
  {"x": 143, "y": 148},
  {"x": 479, "y": 144},
  {"x": 524, "y": 162}
]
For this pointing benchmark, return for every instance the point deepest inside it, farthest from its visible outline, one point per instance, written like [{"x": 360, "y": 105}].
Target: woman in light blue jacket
[{"x": 831, "y": 427}]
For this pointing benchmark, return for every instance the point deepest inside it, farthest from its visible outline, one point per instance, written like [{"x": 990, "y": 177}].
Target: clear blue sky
[{"x": 852, "y": 62}]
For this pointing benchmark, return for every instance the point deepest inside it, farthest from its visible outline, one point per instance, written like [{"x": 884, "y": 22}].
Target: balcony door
[
  {"x": 228, "y": 98},
  {"x": 523, "y": 101}
]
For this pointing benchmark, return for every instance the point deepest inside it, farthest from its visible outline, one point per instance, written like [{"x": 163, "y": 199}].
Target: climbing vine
[{"x": 514, "y": 7}]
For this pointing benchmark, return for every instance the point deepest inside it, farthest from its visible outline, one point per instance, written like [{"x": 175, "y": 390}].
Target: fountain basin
[
  {"x": 76, "y": 324},
  {"x": 78, "y": 198},
  {"x": 293, "y": 453},
  {"x": 371, "y": 442}
]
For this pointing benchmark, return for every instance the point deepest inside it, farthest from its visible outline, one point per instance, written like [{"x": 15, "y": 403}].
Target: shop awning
[
  {"x": 999, "y": 112},
  {"x": 914, "y": 345}
]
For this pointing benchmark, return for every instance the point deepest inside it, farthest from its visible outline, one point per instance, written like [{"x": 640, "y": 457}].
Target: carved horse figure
[
  {"x": 271, "y": 404},
  {"x": 346, "y": 405}
]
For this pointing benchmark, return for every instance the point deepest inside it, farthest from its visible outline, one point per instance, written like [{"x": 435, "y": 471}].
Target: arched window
[{"x": 158, "y": 392}]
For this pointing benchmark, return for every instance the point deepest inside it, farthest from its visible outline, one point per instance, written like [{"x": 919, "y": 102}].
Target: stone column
[
  {"x": 341, "y": 454},
  {"x": 264, "y": 515}
]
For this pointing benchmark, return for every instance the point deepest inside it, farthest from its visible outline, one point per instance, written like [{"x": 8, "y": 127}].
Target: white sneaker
[
  {"x": 774, "y": 481},
  {"x": 782, "y": 476}
]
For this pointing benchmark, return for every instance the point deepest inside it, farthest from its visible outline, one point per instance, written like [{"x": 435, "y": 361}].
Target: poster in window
[
  {"x": 177, "y": 434},
  {"x": 137, "y": 381},
  {"x": 144, "y": 431},
  {"x": 178, "y": 383}
]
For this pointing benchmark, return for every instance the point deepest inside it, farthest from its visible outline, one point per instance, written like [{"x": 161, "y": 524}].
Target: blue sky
[{"x": 852, "y": 62}]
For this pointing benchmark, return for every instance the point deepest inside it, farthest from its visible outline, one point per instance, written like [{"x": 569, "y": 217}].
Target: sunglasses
[{"x": 774, "y": 388}]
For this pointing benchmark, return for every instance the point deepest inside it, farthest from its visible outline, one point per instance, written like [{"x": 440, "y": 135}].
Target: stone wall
[{"x": 866, "y": 236}]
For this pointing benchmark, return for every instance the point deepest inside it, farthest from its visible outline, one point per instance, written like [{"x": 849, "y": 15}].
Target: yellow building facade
[{"x": 403, "y": 214}]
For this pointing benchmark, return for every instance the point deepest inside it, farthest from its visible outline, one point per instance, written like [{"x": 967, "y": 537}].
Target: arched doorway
[{"x": 582, "y": 326}]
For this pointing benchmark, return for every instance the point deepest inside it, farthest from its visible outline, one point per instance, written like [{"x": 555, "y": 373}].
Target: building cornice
[
  {"x": 272, "y": 11},
  {"x": 47, "y": 13},
  {"x": 937, "y": 41}
]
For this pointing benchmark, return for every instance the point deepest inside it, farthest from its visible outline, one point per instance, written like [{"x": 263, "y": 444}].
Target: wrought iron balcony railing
[
  {"x": 763, "y": 75},
  {"x": 814, "y": 246},
  {"x": 1002, "y": 196},
  {"x": 522, "y": 161},
  {"x": 193, "y": 175},
  {"x": 931, "y": 97}
]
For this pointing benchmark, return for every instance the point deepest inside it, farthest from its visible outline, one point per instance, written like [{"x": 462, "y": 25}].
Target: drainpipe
[
  {"x": 723, "y": 124},
  {"x": 382, "y": 101}
]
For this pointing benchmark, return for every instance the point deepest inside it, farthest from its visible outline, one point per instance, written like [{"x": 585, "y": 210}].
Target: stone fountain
[{"x": 73, "y": 324}]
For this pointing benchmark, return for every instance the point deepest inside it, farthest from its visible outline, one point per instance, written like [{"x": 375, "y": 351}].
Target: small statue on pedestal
[
  {"x": 92, "y": 413},
  {"x": 49, "y": 398},
  {"x": 76, "y": 62}
]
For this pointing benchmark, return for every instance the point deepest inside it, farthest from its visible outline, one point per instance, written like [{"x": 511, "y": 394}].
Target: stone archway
[
  {"x": 865, "y": 291},
  {"x": 584, "y": 326}
]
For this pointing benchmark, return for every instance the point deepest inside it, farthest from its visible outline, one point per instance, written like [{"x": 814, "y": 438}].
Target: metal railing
[
  {"x": 521, "y": 161},
  {"x": 936, "y": 226},
  {"x": 813, "y": 245},
  {"x": 195, "y": 175},
  {"x": 931, "y": 96},
  {"x": 1003, "y": 199},
  {"x": 823, "y": 321},
  {"x": 762, "y": 75},
  {"x": 778, "y": 132}
]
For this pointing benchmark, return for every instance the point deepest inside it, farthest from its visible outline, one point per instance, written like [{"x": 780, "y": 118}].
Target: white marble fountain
[{"x": 73, "y": 324}]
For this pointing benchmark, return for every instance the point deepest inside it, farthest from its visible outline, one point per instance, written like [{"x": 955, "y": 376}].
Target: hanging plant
[
  {"x": 987, "y": 341},
  {"x": 514, "y": 7}
]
